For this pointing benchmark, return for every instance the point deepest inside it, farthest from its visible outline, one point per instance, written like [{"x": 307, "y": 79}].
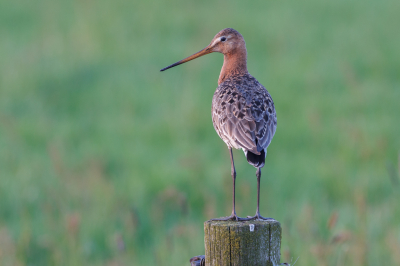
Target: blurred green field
[{"x": 106, "y": 161}]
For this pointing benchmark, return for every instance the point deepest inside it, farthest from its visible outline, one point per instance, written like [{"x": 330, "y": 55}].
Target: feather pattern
[{"x": 243, "y": 114}]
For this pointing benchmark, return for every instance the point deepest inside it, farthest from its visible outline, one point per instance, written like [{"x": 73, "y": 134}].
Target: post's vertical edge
[
  {"x": 275, "y": 240},
  {"x": 207, "y": 241},
  {"x": 211, "y": 243}
]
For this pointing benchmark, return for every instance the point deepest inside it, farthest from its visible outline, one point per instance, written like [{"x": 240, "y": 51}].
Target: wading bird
[{"x": 243, "y": 113}]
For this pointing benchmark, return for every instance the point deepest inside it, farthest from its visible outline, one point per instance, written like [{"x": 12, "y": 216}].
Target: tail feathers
[{"x": 255, "y": 160}]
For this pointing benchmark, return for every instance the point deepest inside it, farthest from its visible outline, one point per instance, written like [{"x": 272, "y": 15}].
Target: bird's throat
[{"x": 234, "y": 64}]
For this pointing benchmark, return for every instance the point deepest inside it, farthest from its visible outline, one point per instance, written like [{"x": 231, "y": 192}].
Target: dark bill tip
[{"x": 174, "y": 64}]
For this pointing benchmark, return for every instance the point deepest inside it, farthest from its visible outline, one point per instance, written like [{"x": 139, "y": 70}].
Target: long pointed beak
[{"x": 205, "y": 51}]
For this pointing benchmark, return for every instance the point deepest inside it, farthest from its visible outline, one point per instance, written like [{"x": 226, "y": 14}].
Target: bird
[{"x": 243, "y": 112}]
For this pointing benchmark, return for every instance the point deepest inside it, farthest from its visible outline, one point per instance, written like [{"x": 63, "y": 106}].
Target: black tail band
[{"x": 255, "y": 160}]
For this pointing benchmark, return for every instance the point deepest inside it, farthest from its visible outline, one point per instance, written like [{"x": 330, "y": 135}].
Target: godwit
[{"x": 243, "y": 111}]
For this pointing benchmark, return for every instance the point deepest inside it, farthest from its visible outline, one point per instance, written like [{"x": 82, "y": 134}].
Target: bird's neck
[{"x": 234, "y": 64}]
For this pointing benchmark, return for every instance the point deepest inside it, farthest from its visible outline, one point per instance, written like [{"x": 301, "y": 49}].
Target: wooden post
[{"x": 249, "y": 243}]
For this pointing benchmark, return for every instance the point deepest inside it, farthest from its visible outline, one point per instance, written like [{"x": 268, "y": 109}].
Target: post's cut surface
[{"x": 236, "y": 243}]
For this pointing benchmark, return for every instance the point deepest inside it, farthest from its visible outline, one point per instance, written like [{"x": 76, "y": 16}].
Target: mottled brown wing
[
  {"x": 264, "y": 114},
  {"x": 241, "y": 116}
]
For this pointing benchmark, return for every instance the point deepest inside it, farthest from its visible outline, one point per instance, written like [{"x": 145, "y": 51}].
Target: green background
[{"x": 106, "y": 161}]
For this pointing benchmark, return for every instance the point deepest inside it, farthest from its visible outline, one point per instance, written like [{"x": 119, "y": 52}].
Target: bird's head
[{"x": 227, "y": 41}]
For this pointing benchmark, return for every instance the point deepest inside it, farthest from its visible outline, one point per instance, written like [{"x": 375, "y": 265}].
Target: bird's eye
[{"x": 223, "y": 39}]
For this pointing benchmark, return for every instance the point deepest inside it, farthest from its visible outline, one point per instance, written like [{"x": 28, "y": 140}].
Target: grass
[{"x": 106, "y": 161}]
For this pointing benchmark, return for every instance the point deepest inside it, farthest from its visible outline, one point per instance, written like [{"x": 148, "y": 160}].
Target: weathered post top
[{"x": 251, "y": 243}]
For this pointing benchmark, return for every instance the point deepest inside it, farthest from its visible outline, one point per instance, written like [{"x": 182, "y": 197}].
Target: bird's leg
[
  {"x": 233, "y": 215},
  {"x": 258, "y": 216},
  {"x": 258, "y": 174},
  {"x": 233, "y": 174}
]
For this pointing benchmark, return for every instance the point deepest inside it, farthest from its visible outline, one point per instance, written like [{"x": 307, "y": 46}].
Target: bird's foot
[
  {"x": 258, "y": 217},
  {"x": 232, "y": 217}
]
